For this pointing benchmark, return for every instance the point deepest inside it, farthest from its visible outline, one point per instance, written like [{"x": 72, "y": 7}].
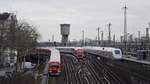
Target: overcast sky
[{"x": 86, "y": 15}]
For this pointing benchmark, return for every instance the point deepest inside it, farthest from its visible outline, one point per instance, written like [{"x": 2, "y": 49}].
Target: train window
[
  {"x": 54, "y": 66},
  {"x": 117, "y": 52}
]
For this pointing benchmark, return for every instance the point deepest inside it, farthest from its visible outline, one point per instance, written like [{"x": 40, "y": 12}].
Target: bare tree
[
  {"x": 25, "y": 38},
  {"x": 18, "y": 36}
]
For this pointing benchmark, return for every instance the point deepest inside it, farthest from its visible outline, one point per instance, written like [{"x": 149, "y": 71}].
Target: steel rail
[{"x": 111, "y": 74}]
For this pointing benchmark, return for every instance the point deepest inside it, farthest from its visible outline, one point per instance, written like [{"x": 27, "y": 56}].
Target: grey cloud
[{"x": 82, "y": 14}]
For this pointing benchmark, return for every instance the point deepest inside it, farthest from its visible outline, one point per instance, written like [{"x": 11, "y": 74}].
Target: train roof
[
  {"x": 55, "y": 55},
  {"x": 40, "y": 50},
  {"x": 111, "y": 48},
  {"x": 101, "y": 48},
  {"x": 64, "y": 47},
  {"x": 48, "y": 48},
  {"x": 75, "y": 48}
]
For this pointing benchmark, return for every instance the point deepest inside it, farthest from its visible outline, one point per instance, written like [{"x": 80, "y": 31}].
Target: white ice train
[{"x": 108, "y": 52}]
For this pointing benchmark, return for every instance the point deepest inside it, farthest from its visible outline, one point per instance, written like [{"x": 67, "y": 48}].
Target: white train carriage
[
  {"x": 55, "y": 65},
  {"x": 108, "y": 52},
  {"x": 115, "y": 53}
]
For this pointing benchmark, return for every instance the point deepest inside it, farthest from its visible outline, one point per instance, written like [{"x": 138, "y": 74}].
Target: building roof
[{"x": 4, "y": 16}]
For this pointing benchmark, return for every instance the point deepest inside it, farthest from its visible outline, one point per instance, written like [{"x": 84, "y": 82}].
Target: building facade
[{"x": 8, "y": 22}]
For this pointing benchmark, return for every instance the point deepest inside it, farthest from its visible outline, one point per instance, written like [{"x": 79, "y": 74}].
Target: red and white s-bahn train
[
  {"x": 79, "y": 52},
  {"x": 55, "y": 64},
  {"x": 54, "y": 61}
]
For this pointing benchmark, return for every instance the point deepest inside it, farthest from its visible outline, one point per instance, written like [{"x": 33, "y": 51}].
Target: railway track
[
  {"x": 99, "y": 72},
  {"x": 123, "y": 66},
  {"x": 82, "y": 74},
  {"x": 94, "y": 74},
  {"x": 109, "y": 75},
  {"x": 69, "y": 71},
  {"x": 67, "y": 81},
  {"x": 121, "y": 73},
  {"x": 77, "y": 75},
  {"x": 95, "y": 77},
  {"x": 77, "y": 78}
]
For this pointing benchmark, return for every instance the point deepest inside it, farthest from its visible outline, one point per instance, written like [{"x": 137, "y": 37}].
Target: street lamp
[
  {"x": 102, "y": 38},
  {"x": 98, "y": 37},
  {"x": 82, "y": 37}
]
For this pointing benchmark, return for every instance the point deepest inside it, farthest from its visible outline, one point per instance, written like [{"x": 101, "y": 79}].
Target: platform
[{"x": 133, "y": 59}]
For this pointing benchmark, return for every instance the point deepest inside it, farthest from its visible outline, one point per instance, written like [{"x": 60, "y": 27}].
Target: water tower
[{"x": 64, "y": 29}]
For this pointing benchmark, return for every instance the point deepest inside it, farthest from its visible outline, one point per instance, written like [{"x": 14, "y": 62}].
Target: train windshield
[
  {"x": 55, "y": 66},
  {"x": 117, "y": 52}
]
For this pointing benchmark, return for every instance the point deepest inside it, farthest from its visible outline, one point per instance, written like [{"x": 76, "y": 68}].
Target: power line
[{"x": 82, "y": 37}]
